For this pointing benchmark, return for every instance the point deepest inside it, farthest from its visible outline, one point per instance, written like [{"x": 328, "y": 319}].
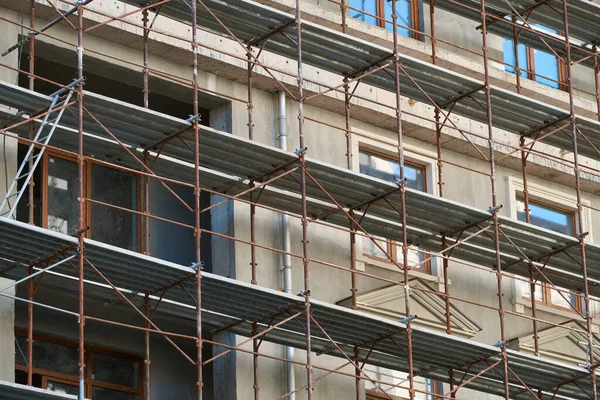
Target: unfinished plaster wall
[{"x": 8, "y": 166}]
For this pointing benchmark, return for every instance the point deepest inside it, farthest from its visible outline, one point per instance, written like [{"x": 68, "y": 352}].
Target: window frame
[
  {"x": 89, "y": 382},
  {"x": 546, "y": 287},
  {"x": 393, "y": 250},
  {"x": 530, "y": 73},
  {"x": 415, "y": 15},
  {"x": 88, "y": 163},
  {"x": 553, "y": 197}
]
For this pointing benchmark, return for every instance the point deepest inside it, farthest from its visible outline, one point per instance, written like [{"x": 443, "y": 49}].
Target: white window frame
[
  {"x": 553, "y": 197},
  {"x": 414, "y": 154}
]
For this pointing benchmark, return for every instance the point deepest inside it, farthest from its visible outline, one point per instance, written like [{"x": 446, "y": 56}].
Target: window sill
[
  {"x": 362, "y": 261},
  {"x": 523, "y": 304}
]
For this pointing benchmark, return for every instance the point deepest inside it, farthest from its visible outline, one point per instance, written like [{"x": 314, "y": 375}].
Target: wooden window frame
[
  {"x": 546, "y": 287},
  {"x": 530, "y": 71},
  {"x": 415, "y": 15},
  {"x": 87, "y": 192},
  {"x": 393, "y": 250},
  {"x": 89, "y": 383}
]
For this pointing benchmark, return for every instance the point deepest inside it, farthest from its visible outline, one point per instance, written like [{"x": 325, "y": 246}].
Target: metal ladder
[{"x": 41, "y": 138}]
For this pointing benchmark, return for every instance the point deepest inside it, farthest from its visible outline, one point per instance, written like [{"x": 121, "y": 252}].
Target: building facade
[{"x": 416, "y": 201}]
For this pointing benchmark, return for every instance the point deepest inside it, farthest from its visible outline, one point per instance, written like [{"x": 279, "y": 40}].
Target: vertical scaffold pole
[
  {"x": 31, "y": 197},
  {"x": 305, "y": 262},
  {"x": 253, "y": 263},
  {"x": 581, "y": 235},
  {"x": 432, "y": 28},
  {"x": 81, "y": 220},
  {"x": 197, "y": 210},
  {"x": 30, "y": 330},
  {"x": 145, "y": 209},
  {"x": 147, "y": 349},
  {"x": 400, "y": 150},
  {"x": 516, "y": 51},
  {"x": 597, "y": 80},
  {"x": 492, "y": 160}
]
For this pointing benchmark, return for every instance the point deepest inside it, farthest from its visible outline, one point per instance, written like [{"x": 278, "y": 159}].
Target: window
[
  {"x": 386, "y": 168},
  {"x": 57, "y": 194},
  {"x": 109, "y": 374},
  {"x": 558, "y": 220},
  {"x": 379, "y": 12},
  {"x": 425, "y": 384},
  {"x": 535, "y": 64}
]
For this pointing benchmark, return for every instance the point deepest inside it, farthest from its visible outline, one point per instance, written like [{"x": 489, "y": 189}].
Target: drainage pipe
[{"x": 286, "y": 244}]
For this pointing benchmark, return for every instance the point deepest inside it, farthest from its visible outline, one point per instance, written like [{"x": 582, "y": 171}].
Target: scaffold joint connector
[
  {"x": 495, "y": 208},
  {"x": 197, "y": 265},
  {"x": 298, "y": 152}
]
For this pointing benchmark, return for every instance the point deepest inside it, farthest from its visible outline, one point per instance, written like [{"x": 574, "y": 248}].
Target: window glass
[
  {"x": 115, "y": 370},
  {"x": 108, "y": 224},
  {"x": 558, "y": 221},
  {"x": 546, "y": 68},
  {"x": 562, "y": 299},
  {"x": 370, "y": 248},
  {"x": 547, "y": 217},
  {"x": 546, "y": 64},
  {"x": 63, "y": 192},
  {"x": 539, "y": 291},
  {"x": 388, "y": 169},
  {"x": 403, "y": 8},
  {"x": 368, "y": 7},
  {"x": 510, "y": 59},
  {"x": 23, "y": 205},
  {"x": 48, "y": 356}
]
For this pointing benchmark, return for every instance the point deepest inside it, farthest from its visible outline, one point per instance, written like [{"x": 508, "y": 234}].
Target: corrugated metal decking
[
  {"x": 229, "y": 161},
  {"x": 227, "y": 300},
  {"x": 14, "y": 391},
  {"x": 345, "y": 55}
]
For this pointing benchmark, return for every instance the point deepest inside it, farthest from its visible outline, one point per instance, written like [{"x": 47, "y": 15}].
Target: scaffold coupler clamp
[
  {"x": 494, "y": 209},
  {"x": 399, "y": 181},
  {"x": 298, "y": 152},
  {"x": 408, "y": 319},
  {"x": 197, "y": 265},
  {"x": 193, "y": 118},
  {"x": 501, "y": 343},
  {"x": 304, "y": 293}
]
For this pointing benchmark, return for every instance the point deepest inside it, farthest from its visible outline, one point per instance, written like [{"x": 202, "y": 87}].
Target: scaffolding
[{"x": 174, "y": 151}]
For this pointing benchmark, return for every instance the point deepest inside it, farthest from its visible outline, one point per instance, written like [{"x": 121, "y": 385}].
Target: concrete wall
[
  {"x": 7, "y": 334},
  {"x": 8, "y": 166},
  {"x": 233, "y": 376}
]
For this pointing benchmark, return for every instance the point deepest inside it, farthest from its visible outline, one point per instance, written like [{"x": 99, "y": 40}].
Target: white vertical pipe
[{"x": 287, "y": 246}]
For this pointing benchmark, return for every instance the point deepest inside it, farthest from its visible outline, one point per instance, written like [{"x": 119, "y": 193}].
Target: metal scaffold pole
[
  {"x": 82, "y": 183},
  {"x": 145, "y": 201},
  {"x": 402, "y": 183},
  {"x": 494, "y": 208},
  {"x": 304, "y": 218},
  {"x": 580, "y": 233},
  {"x": 197, "y": 205}
]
